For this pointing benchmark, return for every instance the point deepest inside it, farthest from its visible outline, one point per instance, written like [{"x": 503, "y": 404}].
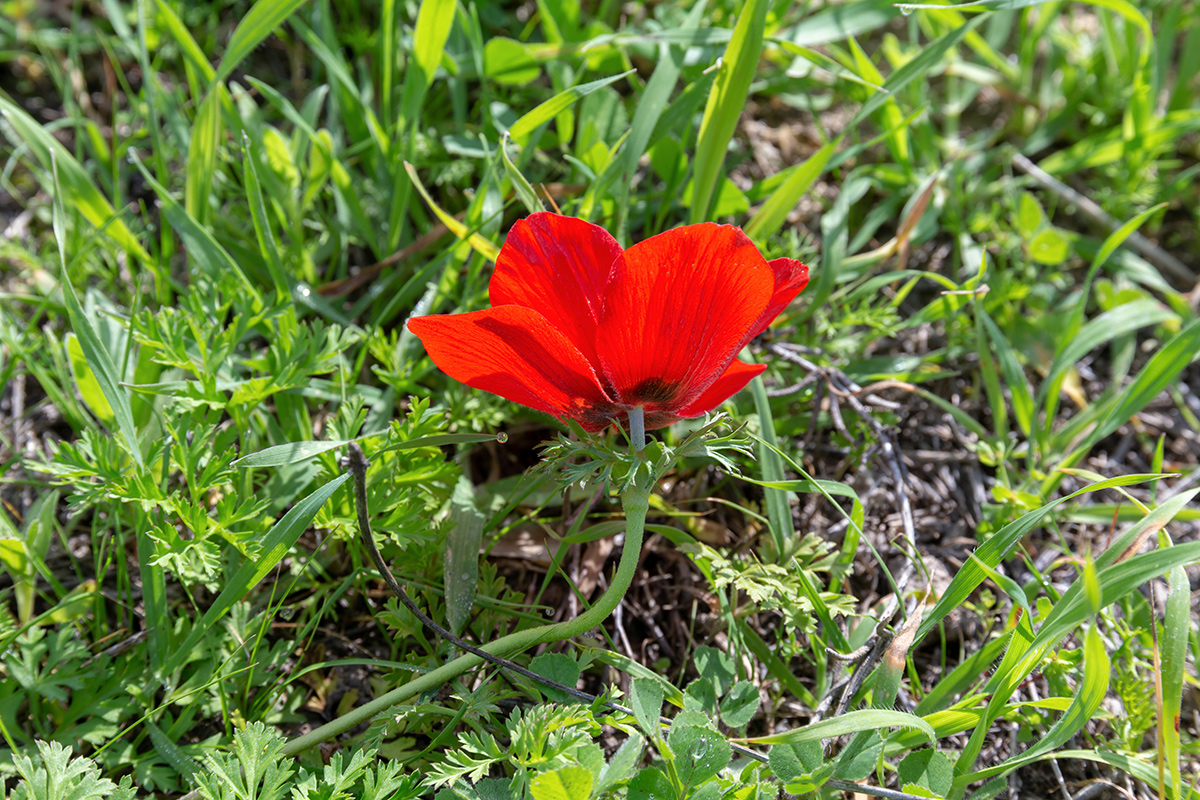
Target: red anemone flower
[{"x": 584, "y": 330}]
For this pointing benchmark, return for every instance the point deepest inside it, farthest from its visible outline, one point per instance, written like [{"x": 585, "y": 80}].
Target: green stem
[{"x": 635, "y": 501}]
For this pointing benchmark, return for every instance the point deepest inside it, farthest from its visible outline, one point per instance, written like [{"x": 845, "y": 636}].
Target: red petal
[
  {"x": 516, "y": 353},
  {"x": 677, "y": 311},
  {"x": 559, "y": 266},
  {"x": 790, "y": 279},
  {"x": 730, "y": 383}
]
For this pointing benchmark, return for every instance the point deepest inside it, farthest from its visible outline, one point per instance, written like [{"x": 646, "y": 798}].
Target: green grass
[{"x": 221, "y": 214}]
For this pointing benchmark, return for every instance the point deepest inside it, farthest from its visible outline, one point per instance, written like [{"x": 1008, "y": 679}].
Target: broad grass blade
[
  {"x": 207, "y": 132},
  {"x": 725, "y": 103}
]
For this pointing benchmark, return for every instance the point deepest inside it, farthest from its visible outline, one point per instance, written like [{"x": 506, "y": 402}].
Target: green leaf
[
  {"x": 1049, "y": 247},
  {"x": 434, "y": 20},
  {"x": 1030, "y": 215},
  {"x": 276, "y": 544},
  {"x": 623, "y": 762},
  {"x": 740, "y": 705},
  {"x": 86, "y": 383},
  {"x": 564, "y": 783},
  {"x": 524, "y": 127},
  {"x": 860, "y": 758},
  {"x": 791, "y": 761},
  {"x": 928, "y": 769},
  {"x": 725, "y": 103},
  {"x": 509, "y": 62},
  {"x": 717, "y": 666},
  {"x": 700, "y": 752},
  {"x": 558, "y": 667},
  {"x": 646, "y": 699},
  {"x": 262, "y": 18}
]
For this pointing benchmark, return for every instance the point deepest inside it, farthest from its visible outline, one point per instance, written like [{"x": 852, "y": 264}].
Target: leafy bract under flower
[{"x": 584, "y": 330}]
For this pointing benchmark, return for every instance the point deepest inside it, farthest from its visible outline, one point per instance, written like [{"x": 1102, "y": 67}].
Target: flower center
[{"x": 654, "y": 391}]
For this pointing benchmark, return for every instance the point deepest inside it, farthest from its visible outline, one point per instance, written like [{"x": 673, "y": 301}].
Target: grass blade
[
  {"x": 462, "y": 554},
  {"x": 94, "y": 352},
  {"x": 725, "y": 103},
  {"x": 1177, "y": 625},
  {"x": 996, "y": 548},
  {"x": 773, "y": 213},
  {"x": 482, "y": 246},
  {"x": 1093, "y": 686},
  {"x": 524, "y": 127},
  {"x": 277, "y": 543},
  {"x": 263, "y": 18},
  {"x": 207, "y": 132}
]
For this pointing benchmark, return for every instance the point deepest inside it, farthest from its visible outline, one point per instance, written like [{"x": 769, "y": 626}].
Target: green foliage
[
  {"x": 55, "y": 775},
  {"x": 215, "y": 231}
]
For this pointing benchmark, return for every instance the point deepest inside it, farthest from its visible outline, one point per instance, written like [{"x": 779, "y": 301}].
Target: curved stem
[{"x": 635, "y": 501}]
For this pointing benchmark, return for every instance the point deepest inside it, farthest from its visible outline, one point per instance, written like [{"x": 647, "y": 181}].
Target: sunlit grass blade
[
  {"x": 262, "y": 19},
  {"x": 276, "y": 544},
  {"x": 521, "y": 185},
  {"x": 997, "y": 547},
  {"x": 207, "y": 132},
  {"x": 482, "y": 246},
  {"x": 773, "y": 213},
  {"x": 434, "y": 20},
  {"x": 73, "y": 184},
  {"x": 1177, "y": 627},
  {"x": 262, "y": 220},
  {"x": 1093, "y": 686},
  {"x": 524, "y": 127},
  {"x": 1162, "y": 369},
  {"x": 850, "y": 722},
  {"x": 169, "y": 20},
  {"x": 782, "y": 529},
  {"x": 725, "y": 103}
]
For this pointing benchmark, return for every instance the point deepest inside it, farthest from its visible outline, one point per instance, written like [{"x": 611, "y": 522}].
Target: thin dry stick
[{"x": 1152, "y": 252}]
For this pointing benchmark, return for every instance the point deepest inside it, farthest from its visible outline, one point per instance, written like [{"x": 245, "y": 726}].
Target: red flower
[{"x": 582, "y": 330}]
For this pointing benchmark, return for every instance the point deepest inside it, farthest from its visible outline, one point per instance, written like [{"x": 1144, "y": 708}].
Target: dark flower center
[{"x": 654, "y": 391}]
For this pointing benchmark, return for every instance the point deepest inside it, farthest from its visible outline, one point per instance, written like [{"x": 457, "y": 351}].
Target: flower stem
[
  {"x": 637, "y": 428},
  {"x": 635, "y": 501}
]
